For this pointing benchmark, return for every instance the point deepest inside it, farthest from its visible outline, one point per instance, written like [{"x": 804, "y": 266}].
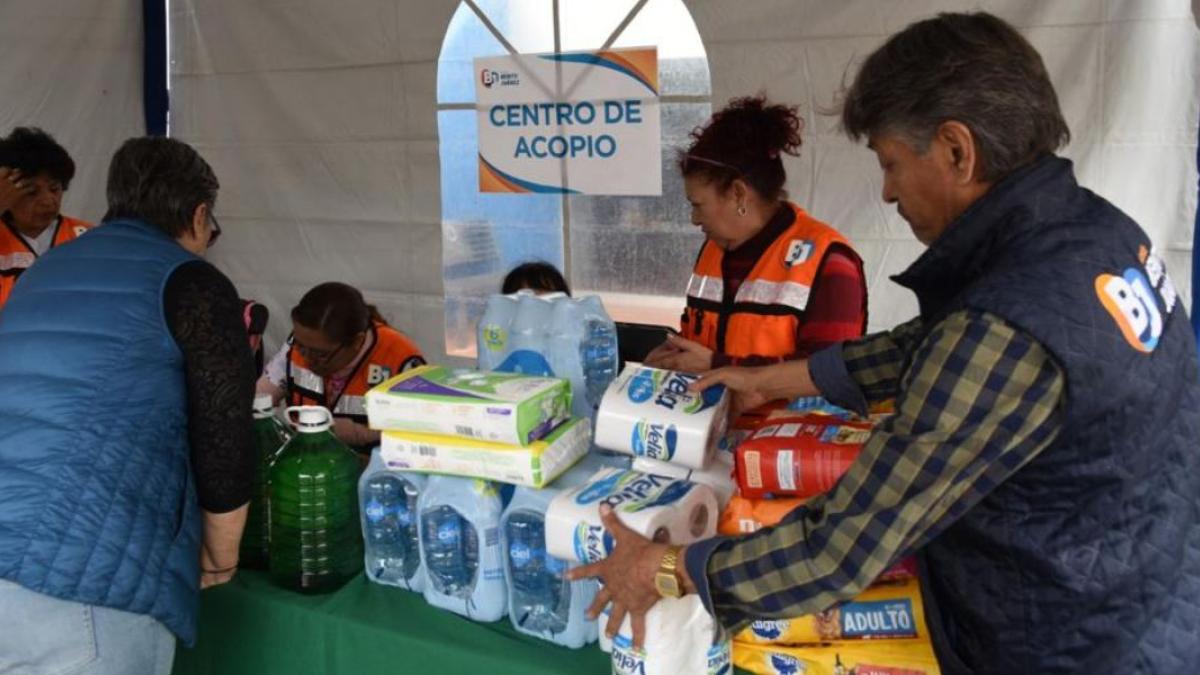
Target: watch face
[{"x": 668, "y": 585}]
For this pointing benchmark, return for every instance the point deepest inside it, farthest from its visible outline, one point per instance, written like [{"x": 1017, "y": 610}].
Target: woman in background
[
  {"x": 771, "y": 282},
  {"x": 340, "y": 347}
]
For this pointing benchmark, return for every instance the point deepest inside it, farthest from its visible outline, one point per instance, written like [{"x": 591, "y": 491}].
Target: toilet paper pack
[
  {"x": 661, "y": 508},
  {"x": 718, "y": 474},
  {"x": 535, "y": 465},
  {"x": 497, "y": 407},
  {"x": 681, "y": 637},
  {"x": 649, "y": 412}
]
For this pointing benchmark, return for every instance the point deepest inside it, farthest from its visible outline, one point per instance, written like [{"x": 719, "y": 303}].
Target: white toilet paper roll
[
  {"x": 681, "y": 637},
  {"x": 718, "y": 474},
  {"x": 659, "y": 507},
  {"x": 648, "y": 412}
]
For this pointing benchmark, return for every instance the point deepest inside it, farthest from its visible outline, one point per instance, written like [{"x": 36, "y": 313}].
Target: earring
[{"x": 741, "y": 209}]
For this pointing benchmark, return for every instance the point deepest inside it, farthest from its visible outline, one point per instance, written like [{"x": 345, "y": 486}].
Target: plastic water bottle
[
  {"x": 451, "y": 551},
  {"x": 541, "y": 601},
  {"x": 583, "y": 350},
  {"x": 493, "y": 334},
  {"x": 461, "y": 547},
  {"x": 528, "y": 337},
  {"x": 388, "y": 506},
  {"x": 599, "y": 354},
  {"x": 316, "y": 544},
  {"x": 269, "y": 437},
  {"x": 540, "y": 594}
]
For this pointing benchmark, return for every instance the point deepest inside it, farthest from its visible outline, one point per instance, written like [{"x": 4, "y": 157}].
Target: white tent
[{"x": 320, "y": 119}]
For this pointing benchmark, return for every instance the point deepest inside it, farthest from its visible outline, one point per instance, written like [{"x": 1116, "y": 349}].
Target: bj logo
[{"x": 1133, "y": 304}]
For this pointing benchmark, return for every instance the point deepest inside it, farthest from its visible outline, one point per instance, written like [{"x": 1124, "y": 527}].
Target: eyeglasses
[
  {"x": 317, "y": 355},
  {"x": 216, "y": 229}
]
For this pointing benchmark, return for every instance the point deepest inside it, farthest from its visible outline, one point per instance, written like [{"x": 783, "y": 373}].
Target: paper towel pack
[
  {"x": 681, "y": 637},
  {"x": 718, "y": 475},
  {"x": 648, "y": 412},
  {"x": 658, "y": 507}
]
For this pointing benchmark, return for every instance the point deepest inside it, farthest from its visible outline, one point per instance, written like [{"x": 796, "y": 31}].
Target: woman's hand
[
  {"x": 12, "y": 188},
  {"x": 680, "y": 354}
]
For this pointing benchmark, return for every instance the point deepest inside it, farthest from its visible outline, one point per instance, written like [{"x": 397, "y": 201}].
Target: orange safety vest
[
  {"x": 393, "y": 353},
  {"x": 16, "y": 256},
  {"x": 767, "y": 311}
]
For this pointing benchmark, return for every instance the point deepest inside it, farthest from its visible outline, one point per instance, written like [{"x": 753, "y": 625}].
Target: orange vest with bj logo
[
  {"x": 763, "y": 317},
  {"x": 393, "y": 353},
  {"x": 16, "y": 256}
]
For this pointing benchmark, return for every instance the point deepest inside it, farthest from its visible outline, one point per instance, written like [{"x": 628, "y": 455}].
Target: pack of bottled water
[
  {"x": 552, "y": 335},
  {"x": 459, "y": 531},
  {"x": 541, "y": 602},
  {"x": 388, "y": 511}
]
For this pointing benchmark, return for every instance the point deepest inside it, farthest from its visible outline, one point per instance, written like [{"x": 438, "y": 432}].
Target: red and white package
[{"x": 798, "y": 456}]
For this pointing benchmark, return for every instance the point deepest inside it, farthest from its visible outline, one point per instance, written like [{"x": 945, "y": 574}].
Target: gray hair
[
  {"x": 970, "y": 68},
  {"x": 160, "y": 181}
]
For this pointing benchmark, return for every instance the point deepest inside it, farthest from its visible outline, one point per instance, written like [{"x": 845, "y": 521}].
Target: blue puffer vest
[
  {"x": 1087, "y": 560},
  {"x": 97, "y": 503}
]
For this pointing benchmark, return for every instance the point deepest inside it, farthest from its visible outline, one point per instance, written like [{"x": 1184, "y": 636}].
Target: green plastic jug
[
  {"x": 316, "y": 544},
  {"x": 269, "y": 437}
]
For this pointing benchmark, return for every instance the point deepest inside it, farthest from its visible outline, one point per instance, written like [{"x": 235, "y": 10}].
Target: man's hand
[
  {"x": 680, "y": 354},
  {"x": 628, "y": 577},
  {"x": 12, "y": 188}
]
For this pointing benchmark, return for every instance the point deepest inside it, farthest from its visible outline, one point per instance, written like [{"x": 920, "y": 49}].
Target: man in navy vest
[
  {"x": 1044, "y": 456},
  {"x": 126, "y": 446}
]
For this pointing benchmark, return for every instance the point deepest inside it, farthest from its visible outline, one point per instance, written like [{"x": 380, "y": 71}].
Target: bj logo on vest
[{"x": 1132, "y": 299}]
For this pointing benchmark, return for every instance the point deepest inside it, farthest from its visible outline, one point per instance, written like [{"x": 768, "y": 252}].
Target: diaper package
[
  {"x": 864, "y": 657},
  {"x": 648, "y": 412},
  {"x": 535, "y": 465},
  {"x": 886, "y": 610},
  {"x": 658, "y": 507},
  {"x": 497, "y": 407},
  {"x": 798, "y": 456}
]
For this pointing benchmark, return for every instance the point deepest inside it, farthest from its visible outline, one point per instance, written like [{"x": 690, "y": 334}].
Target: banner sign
[{"x": 573, "y": 123}]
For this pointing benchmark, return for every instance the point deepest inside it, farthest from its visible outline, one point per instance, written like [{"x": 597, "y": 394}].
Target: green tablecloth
[{"x": 250, "y": 626}]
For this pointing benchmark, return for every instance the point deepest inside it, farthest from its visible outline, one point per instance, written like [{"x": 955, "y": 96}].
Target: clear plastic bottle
[
  {"x": 451, "y": 551},
  {"x": 540, "y": 594},
  {"x": 269, "y": 438},
  {"x": 316, "y": 544}
]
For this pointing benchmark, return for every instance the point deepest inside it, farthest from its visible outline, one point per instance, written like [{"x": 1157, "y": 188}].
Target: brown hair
[
  {"x": 337, "y": 310},
  {"x": 746, "y": 139}
]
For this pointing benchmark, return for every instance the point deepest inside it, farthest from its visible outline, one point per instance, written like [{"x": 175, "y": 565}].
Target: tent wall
[
  {"x": 320, "y": 121},
  {"x": 74, "y": 68}
]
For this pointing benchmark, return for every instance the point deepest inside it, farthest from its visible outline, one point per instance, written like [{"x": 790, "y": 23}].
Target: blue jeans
[{"x": 42, "y": 635}]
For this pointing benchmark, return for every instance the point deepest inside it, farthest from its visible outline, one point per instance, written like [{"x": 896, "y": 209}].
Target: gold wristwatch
[{"x": 666, "y": 580}]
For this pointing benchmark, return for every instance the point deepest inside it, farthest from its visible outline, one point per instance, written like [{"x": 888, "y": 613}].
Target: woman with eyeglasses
[
  {"x": 340, "y": 348},
  {"x": 771, "y": 282}
]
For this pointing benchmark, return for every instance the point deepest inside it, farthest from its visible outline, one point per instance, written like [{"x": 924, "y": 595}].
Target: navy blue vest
[
  {"x": 1087, "y": 560},
  {"x": 97, "y": 503}
]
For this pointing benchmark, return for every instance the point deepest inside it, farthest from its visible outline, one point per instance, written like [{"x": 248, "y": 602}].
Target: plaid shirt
[{"x": 975, "y": 400}]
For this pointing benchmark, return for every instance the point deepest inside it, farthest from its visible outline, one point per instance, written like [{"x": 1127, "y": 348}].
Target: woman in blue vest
[{"x": 126, "y": 451}]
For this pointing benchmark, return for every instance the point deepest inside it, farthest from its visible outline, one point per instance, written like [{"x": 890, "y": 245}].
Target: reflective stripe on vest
[
  {"x": 706, "y": 287},
  {"x": 393, "y": 352},
  {"x": 763, "y": 292}
]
